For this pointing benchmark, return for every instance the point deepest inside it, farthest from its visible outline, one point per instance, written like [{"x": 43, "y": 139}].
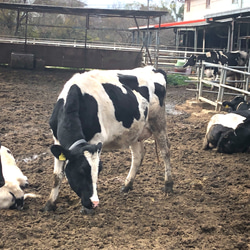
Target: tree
[{"x": 12, "y": 22}]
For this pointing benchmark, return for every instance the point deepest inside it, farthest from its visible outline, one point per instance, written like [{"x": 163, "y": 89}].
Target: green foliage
[{"x": 177, "y": 79}]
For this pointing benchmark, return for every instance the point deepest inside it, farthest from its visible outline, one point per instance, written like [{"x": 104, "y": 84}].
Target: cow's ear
[{"x": 60, "y": 153}]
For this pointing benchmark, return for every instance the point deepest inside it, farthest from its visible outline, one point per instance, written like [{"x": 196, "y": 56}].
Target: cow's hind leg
[
  {"x": 158, "y": 128},
  {"x": 58, "y": 177},
  {"x": 164, "y": 145},
  {"x": 137, "y": 151}
]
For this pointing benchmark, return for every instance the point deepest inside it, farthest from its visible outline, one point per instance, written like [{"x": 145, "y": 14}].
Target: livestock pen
[
  {"x": 208, "y": 209},
  {"x": 222, "y": 84}
]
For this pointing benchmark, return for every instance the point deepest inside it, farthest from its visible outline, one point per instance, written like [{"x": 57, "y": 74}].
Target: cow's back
[{"x": 121, "y": 113}]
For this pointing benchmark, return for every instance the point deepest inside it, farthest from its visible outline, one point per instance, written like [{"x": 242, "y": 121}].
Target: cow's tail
[
  {"x": 157, "y": 155},
  {"x": 31, "y": 195}
]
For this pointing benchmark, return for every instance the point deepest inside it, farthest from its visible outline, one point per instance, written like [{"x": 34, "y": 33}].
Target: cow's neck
[{"x": 78, "y": 142}]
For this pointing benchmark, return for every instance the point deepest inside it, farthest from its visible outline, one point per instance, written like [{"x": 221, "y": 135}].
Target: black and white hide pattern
[
  {"x": 12, "y": 181},
  {"x": 228, "y": 133},
  {"x": 237, "y": 103},
  {"x": 232, "y": 59},
  {"x": 210, "y": 57},
  {"x": 106, "y": 110}
]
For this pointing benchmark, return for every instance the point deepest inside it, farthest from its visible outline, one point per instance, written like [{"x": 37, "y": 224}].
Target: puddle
[
  {"x": 31, "y": 158},
  {"x": 170, "y": 109}
]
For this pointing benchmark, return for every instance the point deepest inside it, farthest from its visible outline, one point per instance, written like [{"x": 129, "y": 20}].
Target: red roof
[{"x": 173, "y": 24}]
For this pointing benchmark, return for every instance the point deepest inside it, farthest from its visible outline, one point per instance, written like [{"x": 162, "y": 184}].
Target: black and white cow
[
  {"x": 229, "y": 133},
  {"x": 11, "y": 182},
  {"x": 237, "y": 103},
  {"x": 233, "y": 58},
  {"x": 210, "y": 57},
  {"x": 110, "y": 109}
]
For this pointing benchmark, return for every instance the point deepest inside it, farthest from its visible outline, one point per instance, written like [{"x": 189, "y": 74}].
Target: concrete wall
[{"x": 73, "y": 57}]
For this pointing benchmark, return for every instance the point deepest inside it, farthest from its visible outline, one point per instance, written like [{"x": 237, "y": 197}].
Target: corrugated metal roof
[
  {"x": 238, "y": 13},
  {"x": 82, "y": 11}
]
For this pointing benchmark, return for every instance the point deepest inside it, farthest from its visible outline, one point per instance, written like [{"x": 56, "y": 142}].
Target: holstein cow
[
  {"x": 210, "y": 57},
  {"x": 233, "y": 58},
  {"x": 106, "y": 109},
  {"x": 229, "y": 133},
  {"x": 11, "y": 180},
  {"x": 237, "y": 103}
]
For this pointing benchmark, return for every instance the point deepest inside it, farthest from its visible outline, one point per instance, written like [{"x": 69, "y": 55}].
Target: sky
[{"x": 109, "y": 3}]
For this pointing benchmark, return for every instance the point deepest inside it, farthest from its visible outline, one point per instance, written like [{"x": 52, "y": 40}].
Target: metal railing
[{"x": 221, "y": 84}]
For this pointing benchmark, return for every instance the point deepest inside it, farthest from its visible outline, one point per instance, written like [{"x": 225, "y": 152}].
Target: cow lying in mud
[
  {"x": 110, "y": 109},
  {"x": 237, "y": 103},
  {"x": 11, "y": 182},
  {"x": 229, "y": 133}
]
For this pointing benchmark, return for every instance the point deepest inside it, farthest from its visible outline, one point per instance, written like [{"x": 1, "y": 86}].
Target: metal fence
[{"x": 222, "y": 84}]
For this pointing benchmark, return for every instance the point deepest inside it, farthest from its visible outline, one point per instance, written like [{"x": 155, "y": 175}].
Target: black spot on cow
[
  {"x": 160, "y": 91},
  {"x": 125, "y": 104},
  {"x": 215, "y": 133},
  {"x": 146, "y": 113},
  {"x": 53, "y": 122},
  {"x": 2, "y": 182},
  {"x": 163, "y": 73},
  {"x": 132, "y": 83},
  {"x": 78, "y": 116},
  {"x": 88, "y": 116}
]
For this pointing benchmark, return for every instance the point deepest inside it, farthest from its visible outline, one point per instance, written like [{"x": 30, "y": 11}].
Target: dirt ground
[{"x": 209, "y": 208}]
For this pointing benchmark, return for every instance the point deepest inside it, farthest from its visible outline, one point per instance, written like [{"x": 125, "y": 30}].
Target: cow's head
[
  {"x": 191, "y": 61},
  {"x": 237, "y": 140},
  {"x": 11, "y": 195},
  {"x": 233, "y": 104},
  {"x": 82, "y": 168}
]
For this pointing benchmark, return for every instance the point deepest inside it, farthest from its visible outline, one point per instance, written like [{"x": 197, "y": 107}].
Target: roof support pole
[
  {"x": 157, "y": 44},
  {"x": 26, "y": 29},
  {"x": 85, "y": 40},
  {"x": 195, "y": 39},
  {"x": 177, "y": 39},
  {"x": 146, "y": 43},
  {"x": 204, "y": 40},
  {"x": 238, "y": 38},
  {"x": 228, "y": 37},
  {"x": 232, "y": 36}
]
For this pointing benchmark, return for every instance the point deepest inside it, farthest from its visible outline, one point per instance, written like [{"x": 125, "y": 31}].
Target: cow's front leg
[
  {"x": 137, "y": 151},
  {"x": 58, "y": 177}
]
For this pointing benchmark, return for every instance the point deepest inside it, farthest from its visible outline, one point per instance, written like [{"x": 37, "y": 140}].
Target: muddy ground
[{"x": 209, "y": 208}]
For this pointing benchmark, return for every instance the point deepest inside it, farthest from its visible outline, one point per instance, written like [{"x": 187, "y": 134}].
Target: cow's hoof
[
  {"x": 85, "y": 210},
  {"x": 48, "y": 207},
  {"x": 126, "y": 189},
  {"x": 168, "y": 189}
]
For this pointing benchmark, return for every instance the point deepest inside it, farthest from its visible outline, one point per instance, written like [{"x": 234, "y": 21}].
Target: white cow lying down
[{"x": 11, "y": 182}]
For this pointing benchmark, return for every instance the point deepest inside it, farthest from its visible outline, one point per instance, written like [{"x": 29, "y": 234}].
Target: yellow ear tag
[
  {"x": 62, "y": 157},
  {"x": 227, "y": 106}
]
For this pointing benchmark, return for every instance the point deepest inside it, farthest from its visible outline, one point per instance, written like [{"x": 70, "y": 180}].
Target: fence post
[
  {"x": 221, "y": 89},
  {"x": 247, "y": 79},
  {"x": 200, "y": 82}
]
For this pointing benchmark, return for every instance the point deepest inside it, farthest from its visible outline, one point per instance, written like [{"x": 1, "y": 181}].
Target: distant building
[
  {"x": 210, "y": 24},
  {"x": 198, "y": 9},
  {"x": 226, "y": 24}
]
